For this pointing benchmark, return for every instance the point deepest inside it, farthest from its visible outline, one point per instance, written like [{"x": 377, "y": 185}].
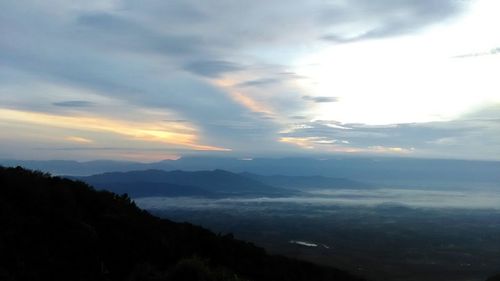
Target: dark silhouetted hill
[
  {"x": 180, "y": 183},
  {"x": 494, "y": 278},
  {"x": 57, "y": 229}
]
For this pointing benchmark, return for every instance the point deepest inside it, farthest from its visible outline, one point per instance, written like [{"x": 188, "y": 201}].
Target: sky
[{"x": 151, "y": 80}]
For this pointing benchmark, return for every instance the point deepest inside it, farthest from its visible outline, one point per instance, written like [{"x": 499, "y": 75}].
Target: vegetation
[
  {"x": 57, "y": 229},
  {"x": 384, "y": 242}
]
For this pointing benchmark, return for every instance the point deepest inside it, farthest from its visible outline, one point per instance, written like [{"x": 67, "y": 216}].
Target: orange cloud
[
  {"x": 241, "y": 98},
  {"x": 302, "y": 142},
  {"x": 173, "y": 134}
]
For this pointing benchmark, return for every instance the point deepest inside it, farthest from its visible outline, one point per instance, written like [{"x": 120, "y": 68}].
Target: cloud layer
[{"x": 185, "y": 76}]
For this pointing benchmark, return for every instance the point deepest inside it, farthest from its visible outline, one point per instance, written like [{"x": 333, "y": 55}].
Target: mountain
[
  {"x": 399, "y": 172},
  {"x": 306, "y": 182},
  {"x": 55, "y": 229},
  {"x": 181, "y": 183}
]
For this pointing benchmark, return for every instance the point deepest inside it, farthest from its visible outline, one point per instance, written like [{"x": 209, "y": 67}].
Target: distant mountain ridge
[
  {"x": 216, "y": 183},
  {"x": 410, "y": 172}
]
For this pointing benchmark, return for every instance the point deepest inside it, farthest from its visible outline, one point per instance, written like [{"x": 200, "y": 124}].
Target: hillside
[
  {"x": 181, "y": 183},
  {"x": 57, "y": 229}
]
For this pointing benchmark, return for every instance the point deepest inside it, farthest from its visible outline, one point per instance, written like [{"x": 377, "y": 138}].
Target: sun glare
[{"x": 435, "y": 75}]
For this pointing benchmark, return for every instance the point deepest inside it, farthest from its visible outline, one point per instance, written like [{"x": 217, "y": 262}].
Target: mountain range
[
  {"x": 211, "y": 184},
  {"x": 409, "y": 172},
  {"x": 216, "y": 183}
]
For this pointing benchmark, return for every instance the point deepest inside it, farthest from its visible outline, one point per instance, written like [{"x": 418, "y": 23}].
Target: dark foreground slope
[{"x": 57, "y": 229}]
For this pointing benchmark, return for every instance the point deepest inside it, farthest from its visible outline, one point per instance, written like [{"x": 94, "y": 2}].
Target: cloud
[
  {"x": 320, "y": 99},
  {"x": 175, "y": 121},
  {"x": 473, "y": 136},
  {"x": 74, "y": 103},
  {"x": 486, "y": 113},
  {"x": 444, "y": 141},
  {"x": 79, "y": 140},
  {"x": 212, "y": 68},
  {"x": 128, "y": 34},
  {"x": 386, "y": 18},
  {"x": 168, "y": 56},
  {"x": 491, "y": 52},
  {"x": 259, "y": 82},
  {"x": 183, "y": 137}
]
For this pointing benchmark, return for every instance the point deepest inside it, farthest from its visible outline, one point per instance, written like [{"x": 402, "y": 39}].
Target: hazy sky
[{"x": 149, "y": 80}]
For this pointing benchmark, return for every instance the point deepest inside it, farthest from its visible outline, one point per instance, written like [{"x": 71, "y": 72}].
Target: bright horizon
[{"x": 146, "y": 81}]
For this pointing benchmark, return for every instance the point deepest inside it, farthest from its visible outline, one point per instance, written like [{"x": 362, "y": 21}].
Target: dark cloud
[
  {"x": 280, "y": 78},
  {"x": 320, "y": 99},
  {"x": 74, "y": 103},
  {"x": 212, "y": 68},
  {"x": 259, "y": 82}
]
